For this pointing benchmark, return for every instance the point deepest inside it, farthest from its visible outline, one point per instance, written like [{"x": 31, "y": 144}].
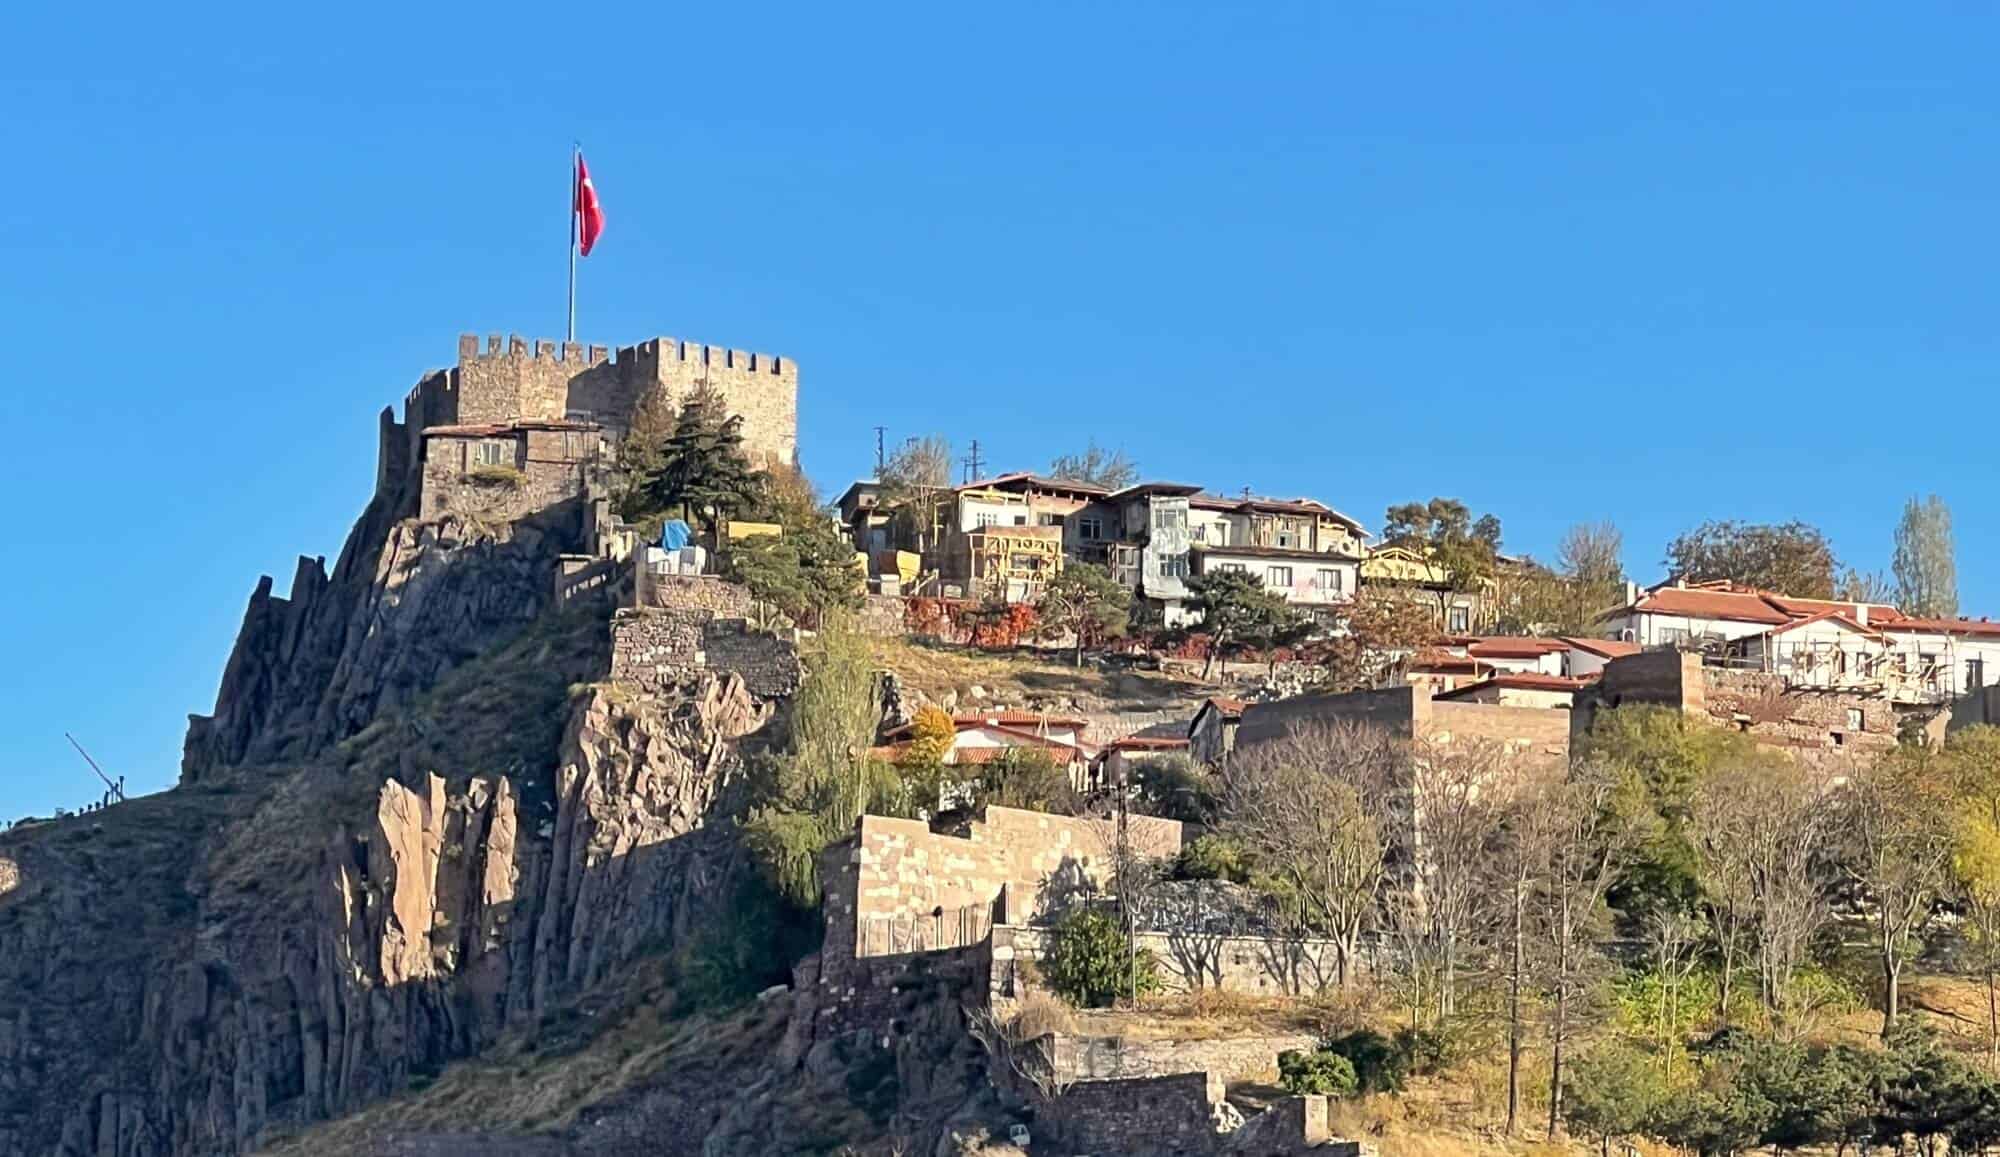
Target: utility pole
[
  {"x": 973, "y": 463},
  {"x": 880, "y": 459}
]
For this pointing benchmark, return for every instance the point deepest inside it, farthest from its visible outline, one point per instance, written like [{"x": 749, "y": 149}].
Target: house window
[
  {"x": 1229, "y": 568},
  {"x": 1975, "y": 673},
  {"x": 1278, "y": 576},
  {"x": 491, "y": 454},
  {"x": 987, "y": 519},
  {"x": 1854, "y": 719},
  {"x": 1287, "y": 537},
  {"x": 1459, "y": 619},
  {"x": 1048, "y": 520},
  {"x": 1174, "y": 566},
  {"x": 1020, "y": 520},
  {"x": 1198, "y": 533},
  {"x": 1090, "y": 529},
  {"x": 1331, "y": 581},
  {"x": 1673, "y": 636}
]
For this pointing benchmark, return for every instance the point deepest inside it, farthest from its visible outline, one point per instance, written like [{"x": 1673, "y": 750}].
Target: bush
[
  {"x": 1040, "y": 1014},
  {"x": 1088, "y": 965},
  {"x": 1613, "y": 1091},
  {"x": 1323, "y": 1073},
  {"x": 1212, "y": 857},
  {"x": 1384, "y": 1064},
  {"x": 506, "y": 476},
  {"x": 1174, "y": 788}
]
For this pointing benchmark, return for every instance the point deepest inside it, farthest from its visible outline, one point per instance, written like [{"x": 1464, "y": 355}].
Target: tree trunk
[
  {"x": 1514, "y": 1017},
  {"x": 1556, "y": 1062},
  {"x": 1892, "y": 976},
  {"x": 1992, "y": 1020},
  {"x": 1079, "y": 650}
]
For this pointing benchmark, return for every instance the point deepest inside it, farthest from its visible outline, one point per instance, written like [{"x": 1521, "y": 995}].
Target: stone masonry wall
[
  {"x": 1539, "y": 734},
  {"x": 1759, "y": 703},
  {"x": 714, "y": 595},
  {"x": 542, "y": 478},
  {"x": 1097, "y": 1058},
  {"x": 895, "y": 872},
  {"x": 659, "y": 651},
  {"x": 1138, "y": 1117},
  {"x": 1254, "y": 965}
]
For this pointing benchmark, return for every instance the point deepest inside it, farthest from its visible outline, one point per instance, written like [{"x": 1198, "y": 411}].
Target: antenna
[
  {"x": 973, "y": 462},
  {"x": 114, "y": 789},
  {"x": 880, "y": 459}
]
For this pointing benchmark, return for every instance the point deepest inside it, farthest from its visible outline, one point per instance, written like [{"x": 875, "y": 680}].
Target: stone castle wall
[
  {"x": 1539, "y": 734},
  {"x": 896, "y": 874},
  {"x": 660, "y": 651},
  {"x": 518, "y": 380},
  {"x": 548, "y": 467},
  {"x": 1138, "y": 1116},
  {"x": 1190, "y": 961}
]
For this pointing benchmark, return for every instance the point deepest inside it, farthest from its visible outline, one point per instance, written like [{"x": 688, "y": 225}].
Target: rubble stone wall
[
  {"x": 659, "y": 651},
  {"x": 1253, "y": 965}
]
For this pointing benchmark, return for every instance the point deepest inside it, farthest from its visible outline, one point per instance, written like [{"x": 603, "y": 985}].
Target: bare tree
[
  {"x": 1302, "y": 806},
  {"x": 1111, "y": 469},
  {"x": 1898, "y": 847},
  {"x": 1762, "y": 831},
  {"x": 1579, "y": 839},
  {"x": 1448, "y": 829},
  {"x": 1590, "y": 552},
  {"x": 916, "y": 482}
]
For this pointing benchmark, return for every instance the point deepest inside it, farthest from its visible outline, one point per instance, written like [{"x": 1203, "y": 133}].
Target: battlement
[
  {"x": 666, "y": 349},
  {"x": 514, "y": 346}
]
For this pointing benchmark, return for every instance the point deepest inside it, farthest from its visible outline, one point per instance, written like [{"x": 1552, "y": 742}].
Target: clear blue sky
[{"x": 1563, "y": 262}]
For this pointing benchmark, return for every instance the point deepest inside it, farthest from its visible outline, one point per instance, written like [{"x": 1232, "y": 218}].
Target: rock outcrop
[
  {"x": 407, "y": 602},
  {"x": 258, "y": 949}
]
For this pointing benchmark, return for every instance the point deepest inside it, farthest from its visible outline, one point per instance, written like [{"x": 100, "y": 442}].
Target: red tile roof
[
  {"x": 1520, "y": 681},
  {"x": 1514, "y": 647},
  {"x": 1227, "y": 706},
  {"x": 1830, "y": 615},
  {"x": 971, "y": 720},
  {"x": 1605, "y": 648},
  {"x": 1693, "y": 603},
  {"x": 1146, "y": 743},
  {"x": 1980, "y": 627}
]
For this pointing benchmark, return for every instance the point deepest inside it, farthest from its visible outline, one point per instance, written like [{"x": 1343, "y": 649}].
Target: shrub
[
  {"x": 1384, "y": 1064},
  {"x": 1613, "y": 1091},
  {"x": 1320, "y": 1072},
  {"x": 1173, "y": 787},
  {"x": 1040, "y": 1014},
  {"x": 1087, "y": 962},
  {"x": 1212, "y": 857}
]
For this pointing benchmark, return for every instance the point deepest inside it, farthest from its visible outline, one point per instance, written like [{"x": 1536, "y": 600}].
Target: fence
[{"x": 896, "y": 935}]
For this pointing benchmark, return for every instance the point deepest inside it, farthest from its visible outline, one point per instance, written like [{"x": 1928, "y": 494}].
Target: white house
[
  {"x": 1307, "y": 578},
  {"x": 982, "y": 737},
  {"x": 1817, "y": 642}
]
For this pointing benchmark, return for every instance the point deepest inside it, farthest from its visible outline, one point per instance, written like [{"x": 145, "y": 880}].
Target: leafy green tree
[
  {"x": 1096, "y": 466},
  {"x": 1235, "y": 609},
  {"x": 1464, "y": 550},
  {"x": 1318, "y": 1073},
  {"x": 806, "y": 572},
  {"x": 1088, "y": 964},
  {"x": 1613, "y": 1091},
  {"x": 1084, "y": 601},
  {"x": 1027, "y": 778},
  {"x": 640, "y": 455},
  {"x": 702, "y": 468},
  {"x": 1791, "y": 558},
  {"x": 1926, "y": 562},
  {"x": 1212, "y": 857}
]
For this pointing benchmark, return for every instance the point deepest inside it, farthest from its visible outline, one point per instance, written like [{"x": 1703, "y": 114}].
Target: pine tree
[{"x": 702, "y": 468}]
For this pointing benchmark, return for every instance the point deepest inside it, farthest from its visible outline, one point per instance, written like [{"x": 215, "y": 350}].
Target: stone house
[
  {"x": 1518, "y": 689},
  {"x": 1212, "y": 731},
  {"x": 503, "y": 471},
  {"x": 1534, "y": 734}
]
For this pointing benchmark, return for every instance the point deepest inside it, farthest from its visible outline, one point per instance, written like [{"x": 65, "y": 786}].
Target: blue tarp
[{"x": 674, "y": 535}]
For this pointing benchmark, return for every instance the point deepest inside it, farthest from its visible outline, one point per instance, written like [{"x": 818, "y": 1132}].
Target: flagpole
[{"x": 575, "y": 159}]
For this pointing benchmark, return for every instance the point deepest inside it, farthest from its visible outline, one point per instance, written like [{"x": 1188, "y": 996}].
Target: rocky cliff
[{"x": 418, "y": 816}]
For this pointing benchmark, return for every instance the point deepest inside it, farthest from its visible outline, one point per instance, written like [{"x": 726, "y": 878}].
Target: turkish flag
[{"x": 589, "y": 214}]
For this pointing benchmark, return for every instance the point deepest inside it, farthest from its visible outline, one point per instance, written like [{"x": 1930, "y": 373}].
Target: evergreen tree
[
  {"x": 702, "y": 468},
  {"x": 1235, "y": 608},
  {"x": 1085, "y": 601}
]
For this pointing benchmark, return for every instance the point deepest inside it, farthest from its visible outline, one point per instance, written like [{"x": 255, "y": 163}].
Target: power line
[{"x": 973, "y": 463}]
